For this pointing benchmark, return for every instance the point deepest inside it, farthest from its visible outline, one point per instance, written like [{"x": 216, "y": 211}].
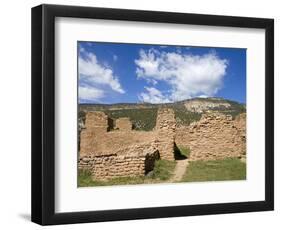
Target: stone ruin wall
[
  {"x": 96, "y": 138},
  {"x": 110, "y": 153},
  {"x": 115, "y": 140},
  {"x": 132, "y": 161},
  {"x": 214, "y": 136},
  {"x": 123, "y": 152},
  {"x": 96, "y": 123},
  {"x": 123, "y": 124},
  {"x": 165, "y": 133}
]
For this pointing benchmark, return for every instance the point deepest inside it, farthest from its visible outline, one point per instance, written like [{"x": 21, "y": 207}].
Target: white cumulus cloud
[
  {"x": 97, "y": 75},
  {"x": 153, "y": 95},
  {"x": 187, "y": 75},
  {"x": 90, "y": 93}
]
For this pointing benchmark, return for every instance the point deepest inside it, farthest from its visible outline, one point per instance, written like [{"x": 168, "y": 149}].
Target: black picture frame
[{"x": 43, "y": 114}]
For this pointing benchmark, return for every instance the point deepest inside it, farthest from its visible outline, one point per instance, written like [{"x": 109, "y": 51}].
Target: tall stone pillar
[
  {"x": 96, "y": 123},
  {"x": 165, "y": 129}
]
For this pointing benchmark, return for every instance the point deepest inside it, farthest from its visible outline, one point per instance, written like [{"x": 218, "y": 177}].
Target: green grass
[
  {"x": 185, "y": 151},
  {"x": 163, "y": 170},
  {"x": 215, "y": 170},
  {"x": 85, "y": 180}
]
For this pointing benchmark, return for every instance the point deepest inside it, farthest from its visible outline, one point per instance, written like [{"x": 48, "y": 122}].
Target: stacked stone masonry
[
  {"x": 214, "y": 136},
  {"x": 165, "y": 133},
  {"x": 123, "y": 124},
  {"x": 119, "y": 151},
  {"x": 110, "y": 152},
  {"x": 130, "y": 162},
  {"x": 96, "y": 123}
]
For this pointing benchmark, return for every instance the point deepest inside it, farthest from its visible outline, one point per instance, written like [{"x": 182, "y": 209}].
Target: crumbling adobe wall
[
  {"x": 165, "y": 133},
  {"x": 123, "y": 152},
  {"x": 123, "y": 124},
  {"x": 96, "y": 136},
  {"x": 240, "y": 124},
  {"x": 97, "y": 121},
  {"x": 214, "y": 136},
  {"x": 86, "y": 138},
  {"x": 116, "y": 140},
  {"x": 96, "y": 124},
  {"x": 132, "y": 161}
]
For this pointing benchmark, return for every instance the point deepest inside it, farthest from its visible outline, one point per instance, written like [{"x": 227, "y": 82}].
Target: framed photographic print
[{"x": 142, "y": 114}]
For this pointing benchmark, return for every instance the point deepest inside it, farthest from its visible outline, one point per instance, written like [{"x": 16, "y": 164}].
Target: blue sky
[{"x": 115, "y": 73}]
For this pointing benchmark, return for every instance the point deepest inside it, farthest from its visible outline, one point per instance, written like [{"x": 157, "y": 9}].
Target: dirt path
[{"x": 179, "y": 170}]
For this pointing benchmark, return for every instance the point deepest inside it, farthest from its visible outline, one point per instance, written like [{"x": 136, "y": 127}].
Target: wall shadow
[{"x": 177, "y": 153}]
